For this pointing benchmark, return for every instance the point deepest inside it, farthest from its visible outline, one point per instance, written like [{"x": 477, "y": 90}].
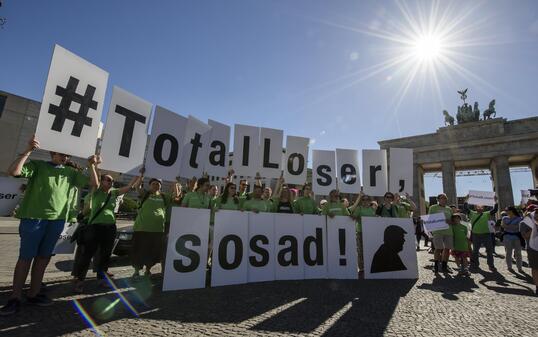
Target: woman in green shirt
[
  {"x": 101, "y": 231},
  {"x": 149, "y": 227},
  {"x": 228, "y": 200},
  {"x": 306, "y": 204}
]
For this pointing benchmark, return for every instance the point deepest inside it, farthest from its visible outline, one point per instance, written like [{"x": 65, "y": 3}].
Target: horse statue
[
  {"x": 449, "y": 120},
  {"x": 488, "y": 113}
]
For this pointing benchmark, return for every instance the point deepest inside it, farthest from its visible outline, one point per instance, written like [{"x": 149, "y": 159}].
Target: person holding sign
[
  {"x": 529, "y": 230},
  {"x": 512, "y": 237},
  {"x": 361, "y": 207},
  {"x": 443, "y": 240},
  {"x": 43, "y": 212},
  {"x": 150, "y": 225},
  {"x": 388, "y": 209},
  {"x": 256, "y": 204},
  {"x": 306, "y": 204},
  {"x": 282, "y": 203},
  {"x": 100, "y": 231},
  {"x": 198, "y": 198},
  {"x": 334, "y": 206},
  {"x": 481, "y": 235},
  {"x": 228, "y": 200}
]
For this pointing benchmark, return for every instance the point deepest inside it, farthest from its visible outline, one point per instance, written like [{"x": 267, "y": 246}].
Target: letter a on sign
[
  {"x": 125, "y": 137},
  {"x": 163, "y": 158},
  {"x": 72, "y": 105},
  {"x": 217, "y": 156}
]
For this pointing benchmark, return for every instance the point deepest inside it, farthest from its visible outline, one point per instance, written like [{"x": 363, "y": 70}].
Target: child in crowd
[{"x": 462, "y": 244}]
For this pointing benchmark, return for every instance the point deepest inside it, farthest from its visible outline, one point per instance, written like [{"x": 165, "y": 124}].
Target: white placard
[
  {"x": 64, "y": 244},
  {"x": 483, "y": 198},
  {"x": 289, "y": 263},
  {"x": 525, "y": 195},
  {"x": 401, "y": 171},
  {"x": 342, "y": 248},
  {"x": 218, "y": 157},
  {"x": 72, "y": 105},
  {"x": 435, "y": 221},
  {"x": 389, "y": 248},
  {"x": 347, "y": 170},
  {"x": 270, "y": 155},
  {"x": 10, "y": 194},
  {"x": 323, "y": 171},
  {"x": 163, "y": 158},
  {"x": 126, "y": 132},
  {"x": 315, "y": 246},
  {"x": 295, "y": 160},
  {"x": 230, "y": 248},
  {"x": 374, "y": 172},
  {"x": 261, "y": 265},
  {"x": 246, "y": 147},
  {"x": 195, "y": 146},
  {"x": 186, "y": 253}
]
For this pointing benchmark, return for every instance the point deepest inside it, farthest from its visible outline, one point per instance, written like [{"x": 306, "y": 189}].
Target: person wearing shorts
[
  {"x": 529, "y": 230},
  {"x": 443, "y": 240},
  {"x": 462, "y": 244},
  {"x": 43, "y": 213}
]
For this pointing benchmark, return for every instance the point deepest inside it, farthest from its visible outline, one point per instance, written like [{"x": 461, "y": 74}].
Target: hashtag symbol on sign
[{"x": 62, "y": 112}]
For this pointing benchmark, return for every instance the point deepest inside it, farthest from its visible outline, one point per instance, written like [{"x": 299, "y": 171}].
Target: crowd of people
[{"x": 53, "y": 190}]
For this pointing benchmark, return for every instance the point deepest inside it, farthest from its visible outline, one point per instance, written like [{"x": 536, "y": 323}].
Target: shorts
[
  {"x": 443, "y": 241},
  {"x": 39, "y": 237},
  {"x": 460, "y": 254},
  {"x": 533, "y": 258}
]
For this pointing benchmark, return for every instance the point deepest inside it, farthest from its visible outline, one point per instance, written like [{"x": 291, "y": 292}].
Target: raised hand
[{"x": 33, "y": 144}]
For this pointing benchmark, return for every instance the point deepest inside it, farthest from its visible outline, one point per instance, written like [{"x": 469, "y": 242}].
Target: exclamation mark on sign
[{"x": 342, "y": 244}]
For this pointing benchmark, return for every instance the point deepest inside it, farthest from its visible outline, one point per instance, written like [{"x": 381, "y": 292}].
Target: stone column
[
  {"x": 534, "y": 169},
  {"x": 418, "y": 189},
  {"x": 500, "y": 171},
  {"x": 449, "y": 181}
]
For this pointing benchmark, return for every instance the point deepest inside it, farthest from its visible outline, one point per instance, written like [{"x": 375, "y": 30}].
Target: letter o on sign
[{"x": 158, "y": 150}]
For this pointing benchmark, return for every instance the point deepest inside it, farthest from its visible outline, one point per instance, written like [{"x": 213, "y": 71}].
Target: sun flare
[{"x": 428, "y": 48}]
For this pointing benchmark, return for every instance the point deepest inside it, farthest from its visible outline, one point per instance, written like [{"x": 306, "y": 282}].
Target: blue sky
[{"x": 311, "y": 68}]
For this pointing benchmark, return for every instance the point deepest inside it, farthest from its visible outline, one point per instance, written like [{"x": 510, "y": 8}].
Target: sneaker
[
  {"x": 40, "y": 300},
  {"x": 12, "y": 307}
]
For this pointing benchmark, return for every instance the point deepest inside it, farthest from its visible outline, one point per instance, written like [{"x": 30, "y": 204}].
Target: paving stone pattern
[{"x": 485, "y": 304}]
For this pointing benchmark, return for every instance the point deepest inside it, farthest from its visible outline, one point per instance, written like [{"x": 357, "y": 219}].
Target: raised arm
[
  {"x": 135, "y": 181},
  {"x": 357, "y": 202},
  {"x": 411, "y": 203},
  {"x": 278, "y": 187},
  {"x": 258, "y": 179},
  {"x": 15, "y": 169},
  {"x": 93, "y": 161}
]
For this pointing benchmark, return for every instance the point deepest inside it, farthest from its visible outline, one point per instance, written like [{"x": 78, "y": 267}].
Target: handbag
[{"x": 85, "y": 231}]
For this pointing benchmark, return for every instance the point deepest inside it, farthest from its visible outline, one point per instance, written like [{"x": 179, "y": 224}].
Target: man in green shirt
[
  {"x": 305, "y": 204},
  {"x": 479, "y": 218},
  {"x": 256, "y": 204},
  {"x": 43, "y": 213},
  {"x": 443, "y": 240},
  {"x": 198, "y": 198},
  {"x": 334, "y": 206}
]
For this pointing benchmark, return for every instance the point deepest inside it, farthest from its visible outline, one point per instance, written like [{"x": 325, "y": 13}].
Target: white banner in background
[
  {"x": 323, "y": 171},
  {"x": 270, "y": 155},
  {"x": 295, "y": 160},
  {"x": 10, "y": 194},
  {"x": 195, "y": 146},
  {"x": 401, "y": 170},
  {"x": 435, "y": 221},
  {"x": 217, "y": 158},
  {"x": 348, "y": 172},
  {"x": 245, "y": 161},
  {"x": 483, "y": 198},
  {"x": 230, "y": 250},
  {"x": 72, "y": 105},
  {"x": 163, "y": 159},
  {"x": 374, "y": 172},
  {"x": 186, "y": 252},
  {"x": 126, "y": 133}
]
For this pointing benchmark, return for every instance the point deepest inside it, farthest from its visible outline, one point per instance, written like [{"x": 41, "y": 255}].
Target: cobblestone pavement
[{"x": 485, "y": 304}]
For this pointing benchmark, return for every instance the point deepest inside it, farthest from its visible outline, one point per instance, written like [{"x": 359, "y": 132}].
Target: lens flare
[{"x": 87, "y": 318}]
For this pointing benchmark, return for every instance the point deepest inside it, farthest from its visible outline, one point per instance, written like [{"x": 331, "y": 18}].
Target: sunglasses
[{"x": 107, "y": 179}]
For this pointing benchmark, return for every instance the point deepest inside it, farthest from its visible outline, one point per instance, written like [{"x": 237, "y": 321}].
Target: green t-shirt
[
  {"x": 47, "y": 192},
  {"x": 259, "y": 205},
  {"x": 404, "y": 210},
  {"x": 305, "y": 205},
  {"x": 106, "y": 216},
  {"x": 230, "y": 204},
  {"x": 359, "y": 212},
  {"x": 73, "y": 205},
  {"x": 480, "y": 221},
  {"x": 153, "y": 213},
  {"x": 460, "y": 237},
  {"x": 336, "y": 208},
  {"x": 448, "y": 214},
  {"x": 196, "y": 200}
]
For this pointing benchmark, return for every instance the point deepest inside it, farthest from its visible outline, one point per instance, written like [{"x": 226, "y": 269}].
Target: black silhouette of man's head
[{"x": 394, "y": 237}]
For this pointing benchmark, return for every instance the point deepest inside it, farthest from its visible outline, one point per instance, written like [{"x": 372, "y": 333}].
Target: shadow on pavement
[
  {"x": 371, "y": 306},
  {"x": 450, "y": 286}
]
